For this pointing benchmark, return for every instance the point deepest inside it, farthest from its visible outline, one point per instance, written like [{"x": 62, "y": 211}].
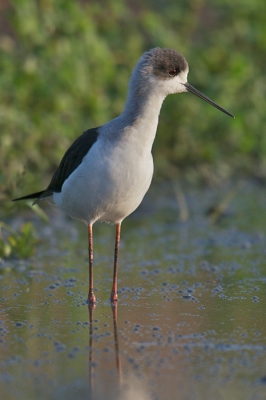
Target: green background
[{"x": 65, "y": 67}]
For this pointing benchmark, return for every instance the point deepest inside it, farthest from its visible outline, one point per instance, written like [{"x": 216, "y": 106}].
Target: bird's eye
[{"x": 173, "y": 72}]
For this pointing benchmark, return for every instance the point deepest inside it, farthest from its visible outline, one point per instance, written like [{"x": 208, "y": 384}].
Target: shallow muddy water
[{"x": 191, "y": 317}]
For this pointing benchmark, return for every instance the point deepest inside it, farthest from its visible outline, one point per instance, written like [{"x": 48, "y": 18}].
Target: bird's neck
[{"x": 141, "y": 114}]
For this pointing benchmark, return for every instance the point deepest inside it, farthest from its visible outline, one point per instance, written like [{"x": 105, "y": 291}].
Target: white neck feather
[{"x": 141, "y": 113}]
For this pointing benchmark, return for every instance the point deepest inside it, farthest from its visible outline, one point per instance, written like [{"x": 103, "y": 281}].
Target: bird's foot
[
  {"x": 113, "y": 297},
  {"x": 91, "y": 297}
]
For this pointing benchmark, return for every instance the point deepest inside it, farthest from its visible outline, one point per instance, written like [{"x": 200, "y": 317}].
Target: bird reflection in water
[{"x": 92, "y": 363}]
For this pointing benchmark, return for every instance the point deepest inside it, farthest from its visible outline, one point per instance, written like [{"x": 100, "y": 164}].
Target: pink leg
[
  {"x": 114, "y": 296},
  {"x": 91, "y": 296}
]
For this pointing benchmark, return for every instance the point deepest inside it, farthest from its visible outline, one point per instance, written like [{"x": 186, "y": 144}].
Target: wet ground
[{"x": 191, "y": 317}]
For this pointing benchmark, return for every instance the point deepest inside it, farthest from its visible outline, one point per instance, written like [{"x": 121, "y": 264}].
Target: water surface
[{"x": 190, "y": 320}]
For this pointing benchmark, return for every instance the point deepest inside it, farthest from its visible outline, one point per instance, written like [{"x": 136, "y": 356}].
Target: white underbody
[{"x": 108, "y": 185}]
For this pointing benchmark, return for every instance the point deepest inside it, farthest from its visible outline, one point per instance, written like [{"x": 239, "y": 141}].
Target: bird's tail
[{"x": 38, "y": 196}]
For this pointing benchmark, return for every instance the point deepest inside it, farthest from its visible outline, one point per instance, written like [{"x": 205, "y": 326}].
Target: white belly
[{"x": 108, "y": 185}]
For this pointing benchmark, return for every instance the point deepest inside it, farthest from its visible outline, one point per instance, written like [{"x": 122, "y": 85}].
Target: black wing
[{"x": 71, "y": 160}]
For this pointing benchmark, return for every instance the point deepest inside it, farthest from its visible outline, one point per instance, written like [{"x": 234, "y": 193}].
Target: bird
[{"x": 106, "y": 172}]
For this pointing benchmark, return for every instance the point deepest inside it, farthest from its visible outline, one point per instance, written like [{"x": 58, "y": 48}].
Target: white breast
[{"x": 109, "y": 184}]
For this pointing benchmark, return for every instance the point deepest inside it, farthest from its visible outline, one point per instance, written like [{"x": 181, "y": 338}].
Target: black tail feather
[{"x": 30, "y": 196}]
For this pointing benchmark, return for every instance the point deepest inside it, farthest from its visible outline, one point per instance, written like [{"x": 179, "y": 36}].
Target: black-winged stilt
[{"x": 106, "y": 172}]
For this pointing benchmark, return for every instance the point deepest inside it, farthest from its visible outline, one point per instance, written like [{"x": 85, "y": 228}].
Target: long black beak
[{"x": 195, "y": 91}]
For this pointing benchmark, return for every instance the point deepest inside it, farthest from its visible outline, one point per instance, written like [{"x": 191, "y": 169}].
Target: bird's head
[{"x": 165, "y": 71}]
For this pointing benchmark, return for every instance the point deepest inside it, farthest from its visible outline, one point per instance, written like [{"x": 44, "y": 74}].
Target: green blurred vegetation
[
  {"x": 15, "y": 243},
  {"x": 65, "y": 67}
]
